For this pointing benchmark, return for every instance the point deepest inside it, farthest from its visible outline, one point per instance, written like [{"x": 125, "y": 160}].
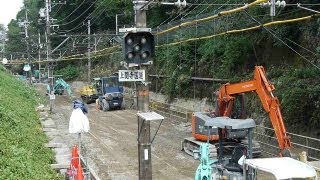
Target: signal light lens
[
  {"x": 130, "y": 55},
  {"x": 129, "y": 41},
  {"x": 137, "y": 48},
  {"x": 144, "y": 55},
  {"x": 143, "y": 40}
]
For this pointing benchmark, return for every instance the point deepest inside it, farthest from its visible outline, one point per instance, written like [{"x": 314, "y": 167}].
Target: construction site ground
[{"x": 110, "y": 147}]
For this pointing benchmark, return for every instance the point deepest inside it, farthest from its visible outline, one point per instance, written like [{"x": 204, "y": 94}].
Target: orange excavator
[{"x": 225, "y": 106}]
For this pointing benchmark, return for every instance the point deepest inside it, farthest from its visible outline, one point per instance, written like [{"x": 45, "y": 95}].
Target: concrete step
[
  {"x": 60, "y": 166},
  {"x": 49, "y": 123}
]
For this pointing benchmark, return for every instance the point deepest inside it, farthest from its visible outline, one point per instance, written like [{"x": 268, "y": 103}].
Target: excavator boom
[{"x": 271, "y": 105}]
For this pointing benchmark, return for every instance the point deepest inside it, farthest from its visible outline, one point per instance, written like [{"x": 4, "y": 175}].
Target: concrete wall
[{"x": 188, "y": 104}]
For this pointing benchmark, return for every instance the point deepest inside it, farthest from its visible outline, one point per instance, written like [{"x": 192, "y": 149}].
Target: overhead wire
[
  {"x": 82, "y": 22},
  {"x": 192, "y": 11},
  {"x": 312, "y": 52},
  {"x": 84, "y": 58},
  {"x": 274, "y": 35},
  {"x": 222, "y": 13},
  {"x": 96, "y": 17},
  {"x": 56, "y": 11},
  {"x": 234, "y": 31},
  {"x": 239, "y": 4},
  {"x": 96, "y": 10},
  {"x": 187, "y": 12},
  {"x": 70, "y": 59},
  {"x": 79, "y": 15},
  {"x": 94, "y": 52},
  {"x": 163, "y": 22},
  {"x": 273, "y": 23},
  {"x": 71, "y": 12},
  {"x": 195, "y": 54},
  {"x": 75, "y": 56}
]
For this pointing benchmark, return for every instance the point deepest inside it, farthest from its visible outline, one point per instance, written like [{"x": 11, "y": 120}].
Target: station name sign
[{"x": 129, "y": 75}]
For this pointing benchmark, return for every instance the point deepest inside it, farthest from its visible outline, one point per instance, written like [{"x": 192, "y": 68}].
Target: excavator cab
[
  {"x": 225, "y": 166},
  {"x": 59, "y": 86},
  {"x": 240, "y": 165}
]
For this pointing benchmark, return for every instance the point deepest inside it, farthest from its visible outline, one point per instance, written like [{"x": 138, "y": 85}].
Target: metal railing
[
  {"x": 299, "y": 142},
  {"x": 172, "y": 112}
]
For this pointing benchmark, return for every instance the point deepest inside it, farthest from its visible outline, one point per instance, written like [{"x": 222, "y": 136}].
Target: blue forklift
[{"x": 110, "y": 93}]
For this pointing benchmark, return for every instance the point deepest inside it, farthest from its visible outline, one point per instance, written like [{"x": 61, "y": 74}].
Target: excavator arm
[{"x": 264, "y": 89}]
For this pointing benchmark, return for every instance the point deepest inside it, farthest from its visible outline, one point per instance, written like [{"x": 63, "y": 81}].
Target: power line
[
  {"x": 174, "y": 17},
  {"x": 242, "y": 30},
  {"x": 241, "y": 4},
  {"x": 98, "y": 14},
  {"x": 79, "y": 15},
  {"x": 274, "y": 35},
  {"x": 69, "y": 59},
  {"x": 81, "y": 23},
  {"x": 57, "y": 10},
  {"x": 301, "y": 47},
  {"x": 71, "y": 12},
  {"x": 185, "y": 24},
  {"x": 94, "y": 52}
]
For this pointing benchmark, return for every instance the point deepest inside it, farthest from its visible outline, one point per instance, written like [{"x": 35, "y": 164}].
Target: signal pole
[
  {"x": 144, "y": 145},
  {"x": 138, "y": 51}
]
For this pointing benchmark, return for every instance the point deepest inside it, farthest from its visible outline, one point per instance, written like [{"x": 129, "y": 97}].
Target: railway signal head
[{"x": 138, "y": 48}]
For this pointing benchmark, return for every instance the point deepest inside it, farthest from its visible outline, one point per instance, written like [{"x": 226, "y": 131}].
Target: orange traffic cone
[
  {"x": 75, "y": 160},
  {"x": 79, "y": 173}
]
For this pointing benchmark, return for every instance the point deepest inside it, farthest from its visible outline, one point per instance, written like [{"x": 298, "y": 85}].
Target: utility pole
[
  {"x": 25, "y": 25},
  {"x": 39, "y": 46},
  {"x": 95, "y": 42},
  {"x": 3, "y": 46},
  {"x": 3, "y": 38},
  {"x": 116, "y": 24},
  {"x": 49, "y": 60},
  {"x": 89, "y": 52},
  {"x": 144, "y": 145}
]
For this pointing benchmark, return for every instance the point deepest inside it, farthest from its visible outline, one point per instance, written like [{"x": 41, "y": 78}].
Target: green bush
[
  {"x": 69, "y": 73},
  {"x": 299, "y": 91},
  {"x": 22, "y": 151}
]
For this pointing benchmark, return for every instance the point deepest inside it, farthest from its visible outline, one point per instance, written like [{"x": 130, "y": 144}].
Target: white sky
[{"x": 9, "y": 10}]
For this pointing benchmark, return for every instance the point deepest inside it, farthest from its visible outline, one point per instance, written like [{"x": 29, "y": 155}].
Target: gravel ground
[{"x": 111, "y": 146}]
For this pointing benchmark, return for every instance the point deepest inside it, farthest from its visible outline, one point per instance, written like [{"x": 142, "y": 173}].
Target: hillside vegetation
[{"x": 22, "y": 152}]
